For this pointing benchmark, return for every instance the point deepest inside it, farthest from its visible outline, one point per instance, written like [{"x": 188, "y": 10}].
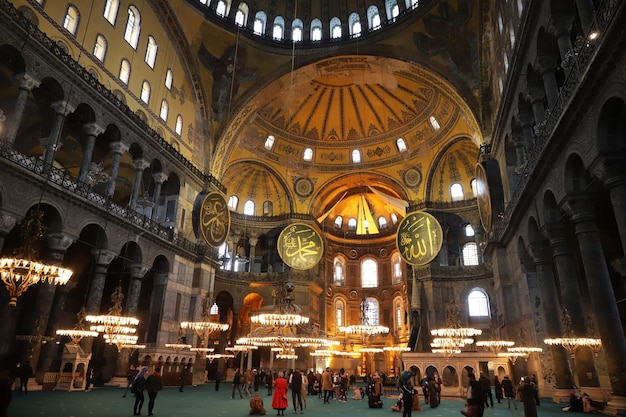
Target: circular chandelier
[
  {"x": 178, "y": 347},
  {"x": 279, "y": 319},
  {"x": 212, "y": 356},
  {"x": 364, "y": 329},
  {"x": 524, "y": 351},
  {"x": 495, "y": 345},
  {"x": 397, "y": 348},
  {"x": 456, "y": 332},
  {"x": 569, "y": 341},
  {"x": 204, "y": 327},
  {"x": 78, "y": 332},
  {"x": 450, "y": 339}
]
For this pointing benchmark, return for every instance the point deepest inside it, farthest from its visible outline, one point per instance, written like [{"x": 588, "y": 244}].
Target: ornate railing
[{"x": 453, "y": 272}]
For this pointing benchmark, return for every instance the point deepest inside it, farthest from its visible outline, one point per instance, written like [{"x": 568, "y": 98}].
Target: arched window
[
  {"x": 248, "y": 208},
  {"x": 354, "y": 24},
  {"x": 356, "y": 156},
  {"x": 352, "y": 224},
  {"x": 151, "y": 52},
  {"x": 241, "y": 17},
  {"x": 340, "y": 312},
  {"x": 456, "y": 191},
  {"x": 165, "y": 108},
  {"x": 100, "y": 48},
  {"x": 269, "y": 142},
  {"x": 382, "y": 222},
  {"x": 133, "y": 27},
  {"x": 371, "y": 312},
  {"x": 72, "y": 18},
  {"x": 214, "y": 311},
  {"x": 260, "y": 20},
  {"x": 401, "y": 145},
  {"x": 396, "y": 268},
  {"x": 469, "y": 230},
  {"x": 369, "y": 273},
  {"x": 297, "y": 30},
  {"x": 278, "y": 30},
  {"x": 470, "y": 254},
  {"x": 373, "y": 17},
  {"x": 145, "y": 91},
  {"x": 110, "y": 10},
  {"x": 411, "y": 4},
  {"x": 221, "y": 8},
  {"x": 392, "y": 9},
  {"x": 316, "y": 30},
  {"x": 335, "y": 28},
  {"x": 268, "y": 208},
  {"x": 169, "y": 78},
  {"x": 307, "y": 155},
  {"x": 434, "y": 123},
  {"x": 473, "y": 187},
  {"x": 233, "y": 202},
  {"x": 339, "y": 268},
  {"x": 394, "y": 218},
  {"x": 179, "y": 125},
  {"x": 478, "y": 303},
  {"x": 338, "y": 222},
  {"x": 125, "y": 71},
  {"x": 398, "y": 309}
]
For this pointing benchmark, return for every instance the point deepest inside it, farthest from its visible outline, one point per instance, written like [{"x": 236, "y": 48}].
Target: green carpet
[{"x": 203, "y": 401}]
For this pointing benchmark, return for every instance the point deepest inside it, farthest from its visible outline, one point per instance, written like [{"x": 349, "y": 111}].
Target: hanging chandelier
[
  {"x": 205, "y": 326},
  {"x": 451, "y": 339},
  {"x": 569, "y": 341},
  {"x": 212, "y": 356},
  {"x": 21, "y": 272},
  {"x": 364, "y": 329},
  {"x": 494, "y": 344},
  {"x": 78, "y": 332}
]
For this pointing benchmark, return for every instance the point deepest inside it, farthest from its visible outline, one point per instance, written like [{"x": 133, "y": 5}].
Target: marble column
[
  {"x": 527, "y": 121},
  {"x": 617, "y": 192},
  {"x": 542, "y": 259},
  {"x": 601, "y": 294},
  {"x": 536, "y": 96},
  {"x": 8, "y": 315},
  {"x": 140, "y": 164},
  {"x": 562, "y": 28},
  {"x": 253, "y": 241},
  {"x": 53, "y": 142},
  {"x": 25, "y": 84},
  {"x": 520, "y": 147},
  {"x": 233, "y": 254},
  {"x": 159, "y": 179},
  {"x": 91, "y": 130},
  {"x": 7, "y": 223},
  {"x": 137, "y": 271},
  {"x": 118, "y": 149},
  {"x": 586, "y": 11},
  {"x": 546, "y": 65}
]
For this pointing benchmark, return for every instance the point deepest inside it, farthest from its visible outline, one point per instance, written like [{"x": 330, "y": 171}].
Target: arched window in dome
[
  {"x": 382, "y": 222},
  {"x": 394, "y": 218},
  {"x": 110, "y": 10},
  {"x": 354, "y": 24},
  {"x": 401, "y": 145},
  {"x": 72, "y": 18},
  {"x": 100, "y": 48},
  {"x": 260, "y": 20},
  {"x": 470, "y": 254},
  {"x": 469, "y": 230},
  {"x": 269, "y": 142},
  {"x": 338, "y": 222},
  {"x": 396, "y": 268},
  {"x": 165, "y": 109},
  {"x": 125, "y": 71},
  {"x": 133, "y": 27},
  {"x": 369, "y": 273},
  {"x": 241, "y": 17},
  {"x": 393, "y": 10},
  {"x": 456, "y": 192},
  {"x": 352, "y": 224},
  {"x": 411, "y": 4},
  {"x": 371, "y": 312},
  {"x": 434, "y": 123},
  {"x": 268, "y": 208},
  {"x": 335, "y": 28},
  {"x": 373, "y": 18},
  {"x": 248, "y": 208},
  {"x": 297, "y": 30},
  {"x": 151, "y": 52},
  {"x": 145, "y": 91},
  {"x": 473, "y": 187},
  {"x": 339, "y": 271},
  {"x": 478, "y": 303},
  {"x": 179, "y": 125},
  {"x": 233, "y": 202},
  {"x": 308, "y": 154},
  {"x": 316, "y": 30},
  {"x": 222, "y": 8},
  {"x": 169, "y": 78},
  {"x": 356, "y": 156},
  {"x": 340, "y": 312},
  {"x": 278, "y": 30}
]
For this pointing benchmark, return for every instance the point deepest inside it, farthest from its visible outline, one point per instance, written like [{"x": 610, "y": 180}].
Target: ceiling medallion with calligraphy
[
  {"x": 419, "y": 238},
  {"x": 214, "y": 219},
  {"x": 300, "y": 246}
]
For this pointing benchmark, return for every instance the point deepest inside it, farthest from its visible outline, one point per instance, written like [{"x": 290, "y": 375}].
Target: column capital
[
  {"x": 59, "y": 241},
  {"x": 159, "y": 177},
  {"x": 26, "y": 81},
  {"x": 119, "y": 147},
  {"x": 540, "y": 253},
  {"x": 7, "y": 222},
  {"x": 138, "y": 270},
  {"x": 62, "y": 107},
  {"x": 611, "y": 170},
  {"x": 92, "y": 129},
  {"x": 103, "y": 256},
  {"x": 545, "y": 63},
  {"x": 141, "y": 164}
]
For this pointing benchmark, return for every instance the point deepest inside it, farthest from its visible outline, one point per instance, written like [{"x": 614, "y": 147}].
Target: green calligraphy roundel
[
  {"x": 214, "y": 219},
  {"x": 300, "y": 246},
  {"x": 419, "y": 238}
]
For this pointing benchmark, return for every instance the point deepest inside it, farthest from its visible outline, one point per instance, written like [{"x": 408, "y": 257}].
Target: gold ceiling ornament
[
  {"x": 78, "y": 332},
  {"x": 205, "y": 326},
  {"x": 419, "y": 238},
  {"x": 115, "y": 328},
  {"x": 450, "y": 339},
  {"x": 21, "y": 271},
  {"x": 300, "y": 246}
]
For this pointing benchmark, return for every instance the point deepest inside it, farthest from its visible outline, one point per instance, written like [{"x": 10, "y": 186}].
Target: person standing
[
  {"x": 407, "y": 389},
  {"x": 279, "y": 400},
  {"x": 475, "y": 395},
  {"x": 527, "y": 389},
  {"x": 295, "y": 380},
  {"x": 183, "y": 377},
  {"x": 26, "y": 371},
  {"x": 432, "y": 388},
  {"x": 89, "y": 378},
  {"x": 327, "y": 385},
  {"x": 509, "y": 392},
  {"x": 154, "y": 384},
  {"x": 237, "y": 384},
  {"x": 438, "y": 383},
  {"x": 218, "y": 379},
  {"x": 497, "y": 385},
  {"x": 485, "y": 385},
  {"x": 269, "y": 381},
  {"x": 138, "y": 386},
  {"x": 533, "y": 379},
  {"x": 130, "y": 378}
]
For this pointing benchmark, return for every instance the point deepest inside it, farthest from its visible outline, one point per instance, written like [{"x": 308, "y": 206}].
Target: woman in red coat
[{"x": 279, "y": 400}]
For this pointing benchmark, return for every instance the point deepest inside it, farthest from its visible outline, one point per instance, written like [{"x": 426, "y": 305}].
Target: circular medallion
[
  {"x": 329, "y": 291},
  {"x": 483, "y": 197},
  {"x": 412, "y": 178},
  {"x": 300, "y": 246},
  {"x": 385, "y": 294},
  {"x": 353, "y": 294},
  {"x": 383, "y": 252},
  {"x": 353, "y": 254},
  {"x": 419, "y": 238},
  {"x": 214, "y": 219},
  {"x": 303, "y": 187}
]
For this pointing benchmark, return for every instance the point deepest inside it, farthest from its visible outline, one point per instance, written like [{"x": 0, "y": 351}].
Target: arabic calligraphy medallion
[
  {"x": 214, "y": 219},
  {"x": 300, "y": 246},
  {"x": 419, "y": 238}
]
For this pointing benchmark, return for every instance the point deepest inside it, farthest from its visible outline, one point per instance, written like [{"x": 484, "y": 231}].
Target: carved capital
[
  {"x": 59, "y": 242},
  {"x": 159, "y": 177},
  {"x": 141, "y": 164},
  {"x": 119, "y": 147},
  {"x": 62, "y": 107},
  {"x": 92, "y": 129},
  {"x": 103, "y": 256},
  {"x": 26, "y": 81}
]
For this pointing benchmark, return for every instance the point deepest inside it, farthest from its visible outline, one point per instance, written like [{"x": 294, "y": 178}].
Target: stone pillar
[
  {"x": 520, "y": 146},
  {"x": 586, "y": 12},
  {"x": 233, "y": 253},
  {"x": 52, "y": 142},
  {"x": 536, "y": 96},
  {"x": 50, "y": 351},
  {"x": 7, "y": 222},
  {"x": 602, "y": 296},
  {"x": 8, "y": 315},
  {"x": 253, "y": 241},
  {"x": 137, "y": 271},
  {"x": 91, "y": 130},
  {"x": 159, "y": 179},
  {"x": 546, "y": 64},
  {"x": 617, "y": 191},
  {"x": 118, "y": 149},
  {"x": 562, "y": 27},
  {"x": 140, "y": 164},
  {"x": 552, "y": 313},
  {"x": 25, "y": 84}
]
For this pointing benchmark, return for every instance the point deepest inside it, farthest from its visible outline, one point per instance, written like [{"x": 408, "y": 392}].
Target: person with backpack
[
  {"x": 137, "y": 387},
  {"x": 407, "y": 389}
]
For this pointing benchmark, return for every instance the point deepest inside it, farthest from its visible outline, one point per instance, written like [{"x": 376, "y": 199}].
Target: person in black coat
[
  {"x": 154, "y": 384},
  {"x": 218, "y": 379},
  {"x": 475, "y": 395},
  {"x": 138, "y": 386},
  {"x": 26, "y": 372}
]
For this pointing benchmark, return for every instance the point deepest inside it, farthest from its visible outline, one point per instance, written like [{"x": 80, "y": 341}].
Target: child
[{"x": 357, "y": 394}]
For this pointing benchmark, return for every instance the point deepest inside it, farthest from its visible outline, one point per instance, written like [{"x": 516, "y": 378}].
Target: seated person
[
  {"x": 357, "y": 394},
  {"x": 256, "y": 405},
  {"x": 575, "y": 403},
  {"x": 399, "y": 405},
  {"x": 589, "y": 405}
]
